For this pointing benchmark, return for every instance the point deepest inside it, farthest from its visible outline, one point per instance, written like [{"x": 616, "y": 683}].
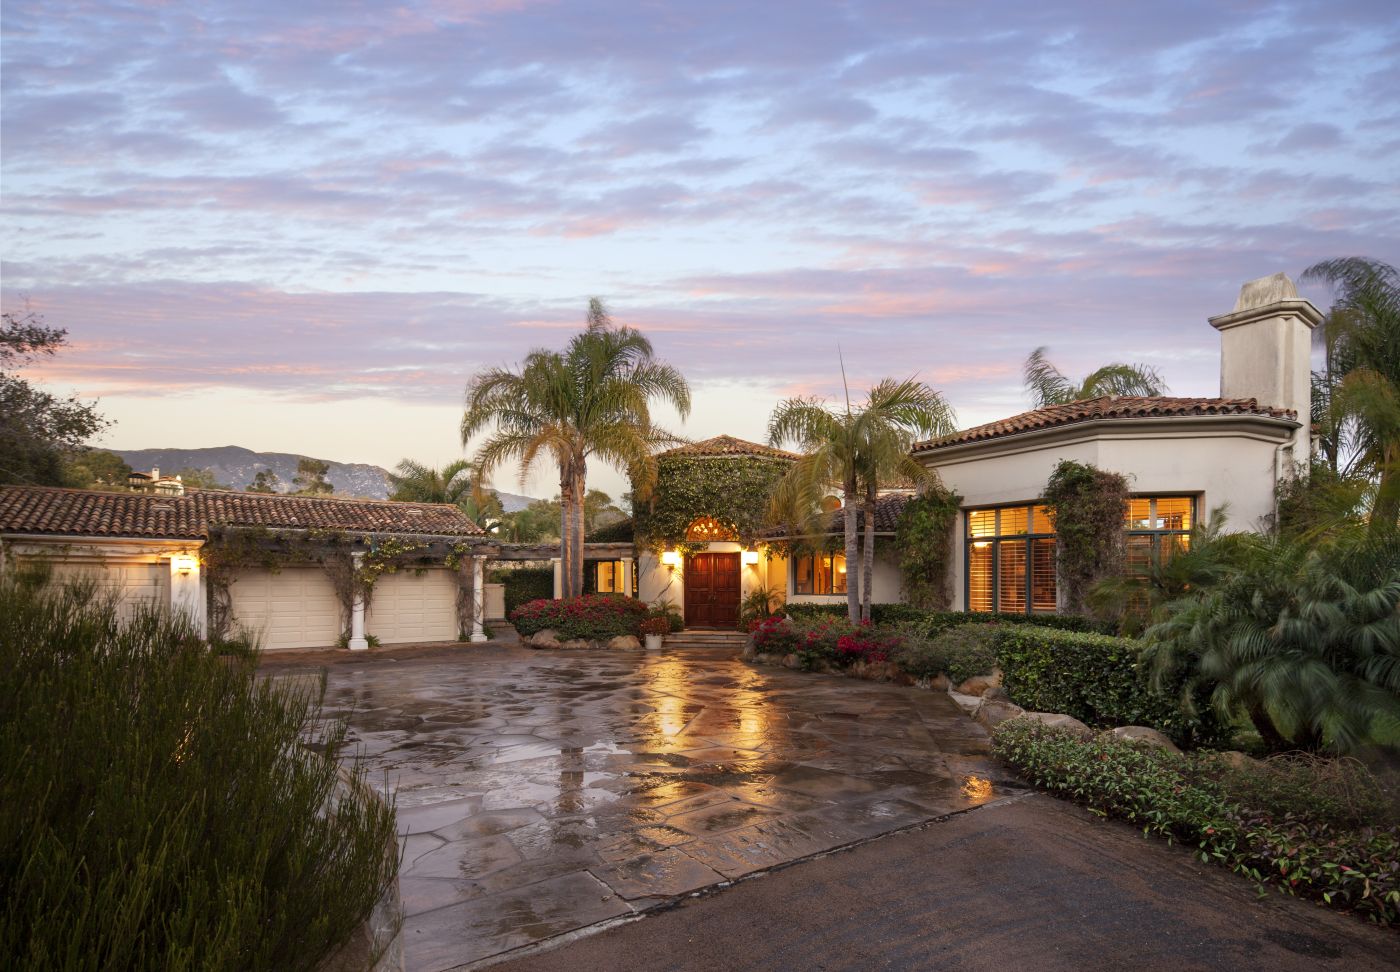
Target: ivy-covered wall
[{"x": 732, "y": 489}]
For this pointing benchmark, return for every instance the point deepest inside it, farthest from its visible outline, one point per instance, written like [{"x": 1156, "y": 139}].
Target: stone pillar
[
  {"x": 358, "y": 642},
  {"x": 187, "y": 595},
  {"x": 478, "y": 598},
  {"x": 628, "y": 566}
]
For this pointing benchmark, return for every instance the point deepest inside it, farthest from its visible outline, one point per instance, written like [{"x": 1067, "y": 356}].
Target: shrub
[
  {"x": 524, "y": 584},
  {"x": 1295, "y": 846},
  {"x": 959, "y": 653},
  {"x": 866, "y": 643},
  {"x": 160, "y": 810},
  {"x": 774, "y": 635},
  {"x": 933, "y": 622},
  {"x": 655, "y": 625},
  {"x": 1100, "y": 680},
  {"x": 1089, "y": 506},
  {"x": 593, "y": 616},
  {"x": 664, "y": 609}
]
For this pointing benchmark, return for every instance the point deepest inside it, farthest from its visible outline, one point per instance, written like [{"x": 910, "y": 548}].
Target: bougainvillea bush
[
  {"x": 592, "y": 616},
  {"x": 822, "y": 640},
  {"x": 1328, "y": 835}
]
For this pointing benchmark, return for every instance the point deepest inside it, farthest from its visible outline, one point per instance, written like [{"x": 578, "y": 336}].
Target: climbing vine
[
  {"x": 733, "y": 490},
  {"x": 923, "y": 540},
  {"x": 1089, "y": 507}
]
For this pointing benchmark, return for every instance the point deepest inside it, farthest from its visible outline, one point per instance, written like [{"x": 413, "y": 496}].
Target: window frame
[
  {"x": 1158, "y": 533},
  {"x": 830, "y": 573},
  {"x": 996, "y": 538}
]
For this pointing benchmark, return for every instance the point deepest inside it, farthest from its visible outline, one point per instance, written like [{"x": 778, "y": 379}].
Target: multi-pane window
[
  {"x": 1011, "y": 560},
  {"x": 607, "y": 577},
  {"x": 1158, "y": 527},
  {"x": 819, "y": 574}
]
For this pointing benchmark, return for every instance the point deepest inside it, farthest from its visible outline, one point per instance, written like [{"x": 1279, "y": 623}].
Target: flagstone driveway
[{"x": 543, "y": 792}]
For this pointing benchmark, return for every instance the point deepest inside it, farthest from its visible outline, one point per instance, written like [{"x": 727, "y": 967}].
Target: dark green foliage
[
  {"x": 935, "y": 621},
  {"x": 160, "y": 810},
  {"x": 524, "y": 584},
  {"x": 1100, "y": 680},
  {"x": 623, "y": 531},
  {"x": 734, "y": 490},
  {"x": 592, "y": 616},
  {"x": 959, "y": 653},
  {"x": 95, "y": 469},
  {"x": 1089, "y": 507},
  {"x": 310, "y": 479},
  {"x": 923, "y": 538},
  {"x": 1292, "y": 827}
]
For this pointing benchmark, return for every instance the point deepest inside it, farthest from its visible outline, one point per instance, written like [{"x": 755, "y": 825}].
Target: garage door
[
  {"x": 414, "y": 607},
  {"x": 137, "y": 585},
  {"x": 293, "y": 608}
]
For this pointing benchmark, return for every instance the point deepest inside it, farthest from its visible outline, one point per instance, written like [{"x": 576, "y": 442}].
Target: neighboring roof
[
  {"x": 80, "y": 512},
  {"x": 1107, "y": 407},
  {"x": 887, "y": 513},
  {"x": 727, "y": 445}
]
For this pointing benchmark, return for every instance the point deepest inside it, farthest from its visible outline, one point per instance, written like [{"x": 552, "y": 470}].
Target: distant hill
[{"x": 236, "y": 466}]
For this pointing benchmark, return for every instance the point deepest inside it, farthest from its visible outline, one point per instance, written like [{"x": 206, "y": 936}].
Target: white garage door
[
  {"x": 135, "y": 584},
  {"x": 414, "y": 607},
  {"x": 293, "y": 608}
]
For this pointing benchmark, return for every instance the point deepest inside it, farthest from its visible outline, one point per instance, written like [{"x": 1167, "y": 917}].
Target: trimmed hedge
[
  {"x": 1197, "y": 799},
  {"x": 593, "y": 616},
  {"x": 939, "y": 621},
  {"x": 1100, "y": 680},
  {"x": 524, "y": 584}
]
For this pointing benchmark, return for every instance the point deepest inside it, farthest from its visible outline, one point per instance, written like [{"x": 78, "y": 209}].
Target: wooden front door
[{"x": 712, "y": 591}]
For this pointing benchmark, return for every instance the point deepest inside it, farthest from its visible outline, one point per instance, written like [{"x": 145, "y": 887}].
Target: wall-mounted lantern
[
  {"x": 671, "y": 558},
  {"x": 751, "y": 557},
  {"x": 184, "y": 563}
]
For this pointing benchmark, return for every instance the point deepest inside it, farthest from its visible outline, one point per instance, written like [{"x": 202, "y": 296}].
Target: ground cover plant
[
  {"x": 592, "y": 616},
  {"x": 161, "y": 811},
  {"x": 1319, "y": 830}
]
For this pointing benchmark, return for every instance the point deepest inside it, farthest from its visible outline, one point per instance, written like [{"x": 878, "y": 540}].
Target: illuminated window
[
  {"x": 819, "y": 574},
  {"x": 1158, "y": 528},
  {"x": 708, "y": 528},
  {"x": 1011, "y": 560},
  {"x": 609, "y": 577}
]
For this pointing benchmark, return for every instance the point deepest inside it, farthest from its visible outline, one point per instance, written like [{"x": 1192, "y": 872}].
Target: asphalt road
[{"x": 1031, "y": 884}]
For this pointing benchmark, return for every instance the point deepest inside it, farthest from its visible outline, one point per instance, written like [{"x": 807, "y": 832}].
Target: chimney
[
  {"x": 1266, "y": 351},
  {"x": 155, "y": 473}
]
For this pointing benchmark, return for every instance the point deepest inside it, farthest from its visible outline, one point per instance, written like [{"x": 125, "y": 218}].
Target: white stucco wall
[{"x": 1218, "y": 462}]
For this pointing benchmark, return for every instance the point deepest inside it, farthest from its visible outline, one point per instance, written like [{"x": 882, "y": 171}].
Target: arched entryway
[{"x": 713, "y": 585}]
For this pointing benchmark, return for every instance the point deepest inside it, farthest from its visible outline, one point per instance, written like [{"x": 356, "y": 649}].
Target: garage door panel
[
  {"x": 293, "y": 608},
  {"x": 408, "y": 606},
  {"x": 136, "y": 585}
]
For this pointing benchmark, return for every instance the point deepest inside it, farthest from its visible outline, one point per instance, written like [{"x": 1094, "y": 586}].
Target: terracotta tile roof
[
  {"x": 1107, "y": 407},
  {"x": 887, "y": 512},
  {"x": 727, "y": 445},
  {"x": 81, "y": 512}
]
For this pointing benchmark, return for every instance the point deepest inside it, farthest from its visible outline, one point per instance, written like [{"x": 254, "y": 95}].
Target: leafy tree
[
  {"x": 599, "y": 511},
  {"x": 310, "y": 479},
  {"x": 36, "y": 428},
  {"x": 265, "y": 481},
  {"x": 199, "y": 479},
  {"x": 1049, "y": 386},
  {"x": 592, "y": 400},
  {"x": 855, "y": 447},
  {"x": 537, "y": 523},
  {"x": 1361, "y": 380},
  {"x": 95, "y": 469},
  {"x": 1301, "y": 637}
]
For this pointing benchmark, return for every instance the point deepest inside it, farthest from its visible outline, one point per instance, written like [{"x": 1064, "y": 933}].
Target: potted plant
[{"x": 654, "y": 629}]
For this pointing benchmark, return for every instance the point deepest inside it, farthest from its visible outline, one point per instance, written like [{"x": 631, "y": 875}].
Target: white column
[
  {"x": 558, "y": 578},
  {"x": 187, "y": 590},
  {"x": 627, "y": 568},
  {"x": 478, "y": 598},
  {"x": 357, "y": 610}
]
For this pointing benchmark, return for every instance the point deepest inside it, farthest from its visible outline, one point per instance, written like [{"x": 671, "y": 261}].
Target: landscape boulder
[
  {"x": 968, "y": 703},
  {"x": 1057, "y": 720},
  {"x": 1145, "y": 735},
  {"x": 996, "y": 694},
  {"x": 544, "y": 638},
  {"x": 790, "y": 660},
  {"x": 578, "y": 643},
  {"x": 992, "y": 714},
  {"x": 978, "y": 684},
  {"x": 625, "y": 642},
  {"x": 1235, "y": 759}
]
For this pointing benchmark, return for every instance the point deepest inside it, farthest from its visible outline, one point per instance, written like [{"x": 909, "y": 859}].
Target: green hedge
[
  {"x": 1098, "y": 679},
  {"x": 1300, "y": 845},
  {"x": 524, "y": 584},
  {"x": 938, "y": 621}
]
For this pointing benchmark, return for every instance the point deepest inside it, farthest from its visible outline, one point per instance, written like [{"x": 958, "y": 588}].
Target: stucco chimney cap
[{"x": 1265, "y": 291}]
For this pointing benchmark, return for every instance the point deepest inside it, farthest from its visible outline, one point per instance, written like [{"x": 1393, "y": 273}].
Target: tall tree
[
  {"x": 591, "y": 400},
  {"x": 1362, "y": 342},
  {"x": 264, "y": 481},
  {"x": 95, "y": 469},
  {"x": 858, "y": 448},
  {"x": 310, "y": 479},
  {"x": 199, "y": 479},
  {"x": 455, "y": 484},
  {"x": 37, "y": 429},
  {"x": 1049, "y": 386}
]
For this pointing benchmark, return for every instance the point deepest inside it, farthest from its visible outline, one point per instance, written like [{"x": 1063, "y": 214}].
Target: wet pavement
[{"x": 543, "y": 792}]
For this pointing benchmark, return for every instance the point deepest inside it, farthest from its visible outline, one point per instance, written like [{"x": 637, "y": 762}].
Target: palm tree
[
  {"x": 1362, "y": 342},
  {"x": 895, "y": 414},
  {"x": 417, "y": 483},
  {"x": 856, "y": 448},
  {"x": 590, "y": 400},
  {"x": 1048, "y": 385}
]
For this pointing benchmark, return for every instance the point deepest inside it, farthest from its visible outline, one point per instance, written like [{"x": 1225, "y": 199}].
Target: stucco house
[
  {"x": 1184, "y": 457},
  {"x": 158, "y": 549}
]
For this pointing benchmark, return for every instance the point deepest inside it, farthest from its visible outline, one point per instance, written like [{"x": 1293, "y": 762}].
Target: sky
[{"x": 304, "y": 226}]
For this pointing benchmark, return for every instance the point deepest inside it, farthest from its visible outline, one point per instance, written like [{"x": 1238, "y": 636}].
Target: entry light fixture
[
  {"x": 671, "y": 558},
  {"x": 750, "y": 556},
  {"x": 184, "y": 563}
]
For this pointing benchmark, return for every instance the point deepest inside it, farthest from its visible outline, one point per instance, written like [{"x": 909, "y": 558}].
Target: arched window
[{"x": 708, "y": 528}]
